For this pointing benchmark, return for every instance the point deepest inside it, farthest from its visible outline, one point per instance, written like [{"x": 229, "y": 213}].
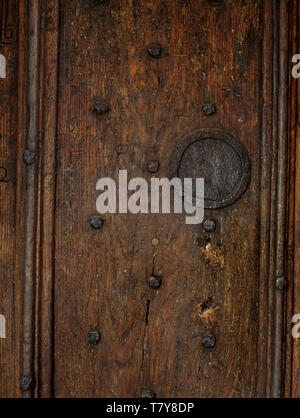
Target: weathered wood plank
[
  {"x": 9, "y": 290},
  {"x": 72, "y": 279},
  {"x": 209, "y": 53}
]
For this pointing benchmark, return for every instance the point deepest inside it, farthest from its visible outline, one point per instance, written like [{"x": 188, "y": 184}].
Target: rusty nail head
[
  {"x": 28, "y": 157},
  {"x": 153, "y": 166},
  {"x": 208, "y": 341},
  {"x": 209, "y": 109},
  {"x": 148, "y": 394},
  {"x": 154, "y": 50},
  {"x": 26, "y": 383},
  {"x": 94, "y": 337},
  {"x": 281, "y": 283},
  {"x": 154, "y": 281},
  {"x": 97, "y": 222},
  {"x": 101, "y": 108},
  {"x": 209, "y": 225}
]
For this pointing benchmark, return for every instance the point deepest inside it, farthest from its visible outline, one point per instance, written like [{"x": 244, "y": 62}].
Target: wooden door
[{"x": 191, "y": 88}]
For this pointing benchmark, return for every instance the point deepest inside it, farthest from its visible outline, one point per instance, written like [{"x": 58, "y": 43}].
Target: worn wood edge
[
  {"x": 19, "y": 209},
  {"x": 273, "y": 201},
  {"x": 293, "y": 344},
  {"x": 46, "y": 197},
  {"x": 265, "y": 194},
  {"x": 282, "y": 197},
  {"x": 30, "y": 122},
  {"x": 36, "y": 194},
  {"x": 268, "y": 196}
]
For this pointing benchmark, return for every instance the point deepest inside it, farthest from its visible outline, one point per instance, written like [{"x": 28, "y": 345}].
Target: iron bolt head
[
  {"x": 94, "y": 337},
  {"x": 97, "y": 222},
  {"x": 101, "y": 108},
  {"x": 281, "y": 283},
  {"x": 3, "y": 173},
  {"x": 209, "y": 341},
  {"x": 209, "y": 225},
  {"x": 26, "y": 383},
  {"x": 28, "y": 157},
  {"x": 148, "y": 394},
  {"x": 209, "y": 109},
  {"x": 154, "y": 50},
  {"x": 154, "y": 281},
  {"x": 153, "y": 166}
]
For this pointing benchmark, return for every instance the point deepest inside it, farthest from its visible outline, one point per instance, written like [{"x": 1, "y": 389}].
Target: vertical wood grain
[
  {"x": 296, "y": 293},
  {"x": 265, "y": 196},
  {"x": 76, "y": 279},
  {"x": 152, "y": 339},
  {"x": 46, "y": 192},
  {"x": 32, "y": 74},
  {"x": 281, "y": 118},
  {"x": 9, "y": 290}
]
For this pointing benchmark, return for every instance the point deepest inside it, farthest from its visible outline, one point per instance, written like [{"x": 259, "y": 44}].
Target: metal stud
[
  {"x": 101, "y": 108},
  {"x": 28, "y": 157},
  {"x": 154, "y": 281},
  {"x": 3, "y": 173},
  {"x": 154, "y": 50},
  {"x": 209, "y": 225},
  {"x": 153, "y": 166},
  {"x": 96, "y": 222},
  {"x": 94, "y": 337},
  {"x": 209, "y": 341},
  {"x": 209, "y": 109},
  {"x": 281, "y": 283},
  {"x": 26, "y": 383},
  {"x": 148, "y": 394}
]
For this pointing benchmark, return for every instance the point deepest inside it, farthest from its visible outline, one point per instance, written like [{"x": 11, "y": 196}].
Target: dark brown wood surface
[
  {"x": 10, "y": 294},
  {"x": 71, "y": 279},
  {"x": 100, "y": 276}
]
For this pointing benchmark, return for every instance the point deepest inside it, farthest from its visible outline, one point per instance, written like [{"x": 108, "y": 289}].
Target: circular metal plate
[{"x": 220, "y": 159}]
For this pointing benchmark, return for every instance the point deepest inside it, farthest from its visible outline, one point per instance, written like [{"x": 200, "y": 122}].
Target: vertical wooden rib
[
  {"x": 30, "y": 194},
  {"x": 273, "y": 69},
  {"x": 19, "y": 264},
  {"x": 274, "y": 190},
  {"x": 49, "y": 58},
  {"x": 295, "y": 343},
  {"x": 265, "y": 195},
  {"x": 281, "y": 213},
  {"x": 273, "y": 203}
]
